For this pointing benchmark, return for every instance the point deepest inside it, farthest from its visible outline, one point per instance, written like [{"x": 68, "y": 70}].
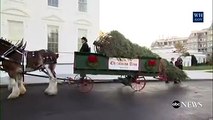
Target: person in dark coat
[
  {"x": 179, "y": 63},
  {"x": 172, "y": 60},
  {"x": 84, "y": 47}
]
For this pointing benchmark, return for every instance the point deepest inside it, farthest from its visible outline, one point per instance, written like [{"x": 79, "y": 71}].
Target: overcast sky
[{"x": 144, "y": 21}]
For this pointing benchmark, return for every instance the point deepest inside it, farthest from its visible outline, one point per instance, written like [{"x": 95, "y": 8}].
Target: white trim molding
[
  {"x": 83, "y": 22},
  {"x": 15, "y": 12},
  {"x": 53, "y": 18}
]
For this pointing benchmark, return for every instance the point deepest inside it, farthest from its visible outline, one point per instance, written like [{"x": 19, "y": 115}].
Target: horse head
[{"x": 5, "y": 45}]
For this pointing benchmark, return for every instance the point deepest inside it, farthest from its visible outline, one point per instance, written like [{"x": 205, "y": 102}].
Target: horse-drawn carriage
[
  {"x": 132, "y": 71},
  {"x": 17, "y": 62}
]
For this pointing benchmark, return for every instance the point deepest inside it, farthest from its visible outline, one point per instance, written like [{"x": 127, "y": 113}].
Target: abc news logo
[{"x": 189, "y": 104}]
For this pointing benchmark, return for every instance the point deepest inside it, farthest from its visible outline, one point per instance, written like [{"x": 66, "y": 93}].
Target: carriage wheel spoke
[
  {"x": 85, "y": 85},
  {"x": 139, "y": 83}
]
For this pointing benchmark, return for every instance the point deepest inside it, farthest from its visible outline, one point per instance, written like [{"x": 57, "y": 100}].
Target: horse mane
[
  {"x": 5, "y": 41},
  {"x": 18, "y": 45}
]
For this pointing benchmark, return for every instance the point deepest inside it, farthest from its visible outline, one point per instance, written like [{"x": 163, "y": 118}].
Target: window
[
  {"x": 53, "y": 3},
  {"x": 15, "y": 31},
  {"x": 52, "y": 38},
  {"x": 81, "y": 33},
  {"x": 82, "y": 5}
]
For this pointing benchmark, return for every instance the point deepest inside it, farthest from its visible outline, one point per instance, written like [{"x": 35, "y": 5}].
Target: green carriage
[{"x": 132, "y": 71}]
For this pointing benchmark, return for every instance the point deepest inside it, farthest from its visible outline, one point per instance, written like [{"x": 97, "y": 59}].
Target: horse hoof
[
  {"x": 51, "y": 93},
  {"x": 12, "y": 96},
  {"x": 22, "y": 91}
]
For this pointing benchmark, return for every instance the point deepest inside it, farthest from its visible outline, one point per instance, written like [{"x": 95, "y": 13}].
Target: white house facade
[
  {"x": 199, "y": 44},
  {"x": 168, "y": 42},
  {"x": 56, "y": 25},
  {"x": 167, "y": 52}
]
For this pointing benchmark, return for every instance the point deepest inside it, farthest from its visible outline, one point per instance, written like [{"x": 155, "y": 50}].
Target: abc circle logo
[{"x": 176, "y": 104}]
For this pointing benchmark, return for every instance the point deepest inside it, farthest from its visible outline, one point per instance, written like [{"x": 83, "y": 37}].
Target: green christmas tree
[{"x": 114, "y": 44}]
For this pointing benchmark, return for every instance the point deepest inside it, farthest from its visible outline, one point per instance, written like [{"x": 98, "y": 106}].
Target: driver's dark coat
[{"x": 85, "y": 48}]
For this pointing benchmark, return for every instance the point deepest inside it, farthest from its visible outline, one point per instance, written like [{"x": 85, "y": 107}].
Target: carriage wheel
[
  {"x": 85, "y": 84},
  {"x": 139, "y": 83}
]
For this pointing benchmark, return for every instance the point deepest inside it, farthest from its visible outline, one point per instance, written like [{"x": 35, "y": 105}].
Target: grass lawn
[{"x": 199, "y": 67}]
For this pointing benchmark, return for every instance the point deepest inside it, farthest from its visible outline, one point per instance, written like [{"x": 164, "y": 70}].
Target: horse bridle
[{"x": 10, "y": 50}]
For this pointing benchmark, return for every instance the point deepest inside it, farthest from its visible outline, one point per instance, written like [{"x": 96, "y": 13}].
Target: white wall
[{"x": 36, "y": 15}]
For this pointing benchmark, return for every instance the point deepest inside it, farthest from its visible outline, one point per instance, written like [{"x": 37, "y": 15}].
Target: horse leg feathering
[
  {"x": 21, "y": 85},
  {"x": 15, "y": 90},
  {"x": 52, "y": 87}
]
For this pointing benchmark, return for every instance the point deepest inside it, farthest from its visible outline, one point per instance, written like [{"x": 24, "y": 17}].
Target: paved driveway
[{"x": 111, "y": 102}]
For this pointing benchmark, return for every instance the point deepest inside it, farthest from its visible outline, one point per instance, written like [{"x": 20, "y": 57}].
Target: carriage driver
[{"x": 84, "y": 47}]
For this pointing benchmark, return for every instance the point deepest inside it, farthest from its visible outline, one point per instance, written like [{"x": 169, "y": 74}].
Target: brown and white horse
[{"x": 16, "y": 61}]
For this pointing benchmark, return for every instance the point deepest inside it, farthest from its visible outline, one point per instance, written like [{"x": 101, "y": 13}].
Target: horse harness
[{"x": 47, "y": 59}]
